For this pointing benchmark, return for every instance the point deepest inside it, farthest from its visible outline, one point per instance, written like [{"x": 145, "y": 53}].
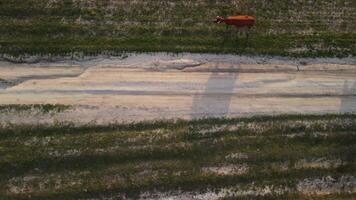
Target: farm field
[
  {"x": 76, "y": 28},
  {"x": 280, "y": 157},
  {"x": 151, "y": 100}
]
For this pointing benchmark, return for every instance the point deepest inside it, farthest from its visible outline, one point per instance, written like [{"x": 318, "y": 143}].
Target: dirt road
[{"x": 146, "y": 87}]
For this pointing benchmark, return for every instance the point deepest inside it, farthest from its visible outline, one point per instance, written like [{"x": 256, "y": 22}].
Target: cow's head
[{"x": 219, "y": 20}]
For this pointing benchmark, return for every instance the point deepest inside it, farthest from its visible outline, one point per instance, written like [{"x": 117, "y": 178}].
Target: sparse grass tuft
[{"x": 43, "y": 108}]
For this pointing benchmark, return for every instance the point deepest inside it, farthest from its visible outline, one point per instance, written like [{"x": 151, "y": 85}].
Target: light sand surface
[{"x": 149, "y": 87}]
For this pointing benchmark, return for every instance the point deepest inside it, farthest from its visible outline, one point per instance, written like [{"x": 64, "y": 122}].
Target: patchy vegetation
[
  {"x": 281, "y": 157},
  {"x": 42, "y": 108},
  {"x": 80, "y": 27}
]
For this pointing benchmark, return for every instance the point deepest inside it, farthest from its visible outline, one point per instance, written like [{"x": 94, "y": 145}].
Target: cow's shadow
[
  {"x": 348, "y": 99},
  {"x": 215, "y": 100}
]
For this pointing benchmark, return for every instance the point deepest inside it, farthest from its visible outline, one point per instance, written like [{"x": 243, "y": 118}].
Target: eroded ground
[{"x": 147, "y": 87}]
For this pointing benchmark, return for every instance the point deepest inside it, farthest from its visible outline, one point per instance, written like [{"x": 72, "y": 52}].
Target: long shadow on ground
[
  {"x": 348, "y": 99},
  {"x": 215, "y": 100}
]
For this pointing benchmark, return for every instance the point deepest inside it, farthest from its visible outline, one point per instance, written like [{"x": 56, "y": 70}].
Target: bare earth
[{"x": 160, "y": 86}]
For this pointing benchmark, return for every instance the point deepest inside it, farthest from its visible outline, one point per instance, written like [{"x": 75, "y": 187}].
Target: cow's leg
[
  {"x": 247, "y": 33},
  {"x": 225, "y": 33},
  {"x": 237, "y": 36}
]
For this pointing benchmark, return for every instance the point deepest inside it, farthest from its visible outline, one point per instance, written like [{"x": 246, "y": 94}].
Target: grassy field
[
  {"x": 281, "y": 157},
  {"x": 80, "y": 27}
]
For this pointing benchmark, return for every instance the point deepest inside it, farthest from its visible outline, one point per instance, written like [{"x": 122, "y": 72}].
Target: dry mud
[{"x": 162, "y": 86}]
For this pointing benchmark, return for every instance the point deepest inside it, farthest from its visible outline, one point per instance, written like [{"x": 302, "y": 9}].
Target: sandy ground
[{"x": 161, "y": 86}]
